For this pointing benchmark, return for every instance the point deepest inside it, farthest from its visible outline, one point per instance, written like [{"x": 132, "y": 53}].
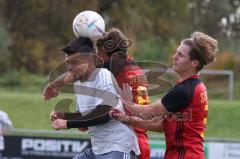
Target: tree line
[{"x": 32, "y": 32}]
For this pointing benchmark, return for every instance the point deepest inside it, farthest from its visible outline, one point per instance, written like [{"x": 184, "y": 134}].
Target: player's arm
[
  {"x": 175, "y": 100},
  {"x": 75, "y": 120},
  {"x": 150, "y": 125},
  {"x": 144, "y": 112},
  {"x": 98, "y": 116},
  {"x": 154, "y": 124},
  {"x": 52, "y": 89},
  {"x": 147, "y": 111},
  {"x": 89, "y": 122}
]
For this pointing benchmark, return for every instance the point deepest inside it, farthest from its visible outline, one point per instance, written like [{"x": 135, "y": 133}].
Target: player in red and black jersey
[
  {"x": 113, "y": 48},
  {"x": 183, "y": 109},
  {"x": 184, "y": 131}
]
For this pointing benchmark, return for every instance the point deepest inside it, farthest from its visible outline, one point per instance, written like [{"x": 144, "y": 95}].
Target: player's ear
[{"x": 195, "y": 63}]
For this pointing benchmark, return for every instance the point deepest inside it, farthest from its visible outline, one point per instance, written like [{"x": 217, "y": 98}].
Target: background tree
[{"x": 39, "y": 29}]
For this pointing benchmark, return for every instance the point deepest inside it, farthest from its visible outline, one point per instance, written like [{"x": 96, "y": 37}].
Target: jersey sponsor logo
[
  {"x": 136, "y": 78},
  {"x": 142, "y": 95}
]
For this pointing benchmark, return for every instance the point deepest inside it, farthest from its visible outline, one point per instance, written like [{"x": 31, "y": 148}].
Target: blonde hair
[{"x": 204, "y": 48}]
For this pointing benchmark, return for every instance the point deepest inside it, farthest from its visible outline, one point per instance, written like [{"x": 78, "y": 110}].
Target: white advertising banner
[
  {"x": 223, "y": 150},
  {"x": 212, "y": 149}
]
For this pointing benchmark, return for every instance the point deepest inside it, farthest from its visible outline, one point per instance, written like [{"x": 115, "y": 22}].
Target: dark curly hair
[{"x": 114, "y": 41}]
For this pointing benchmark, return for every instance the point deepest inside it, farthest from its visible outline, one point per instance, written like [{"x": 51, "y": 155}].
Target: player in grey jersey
[{"x": 110, "y": 139}]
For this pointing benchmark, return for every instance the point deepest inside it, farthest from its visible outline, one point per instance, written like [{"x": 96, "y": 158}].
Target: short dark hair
[{"x": 79, "y": 45}]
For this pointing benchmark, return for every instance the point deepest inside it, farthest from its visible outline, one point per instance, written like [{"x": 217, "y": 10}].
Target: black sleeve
[
  {"x": 97, "y": 116},
  {"x": 72, "y": 116},
  {"x": 90, "y": 122},
  {"x": 177, "y": 98}
]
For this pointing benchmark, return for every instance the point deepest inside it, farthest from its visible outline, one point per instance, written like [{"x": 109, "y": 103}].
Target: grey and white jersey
[{"x": 112, "y": 136}]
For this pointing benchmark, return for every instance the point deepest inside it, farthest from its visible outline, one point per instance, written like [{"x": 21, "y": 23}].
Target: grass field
[{"x": 28, "y": 110}]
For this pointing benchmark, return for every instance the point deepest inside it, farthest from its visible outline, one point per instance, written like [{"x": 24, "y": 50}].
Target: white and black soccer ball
[{"x": 88, "y": 24}]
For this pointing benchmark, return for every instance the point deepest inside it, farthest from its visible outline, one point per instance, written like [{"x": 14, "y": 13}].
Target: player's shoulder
[
  {"x": 191, "y": 83},
  {"x": 104, "y": 76},
  {"x": 187, "y": 87},
  {"x": 103, "y": 72}
]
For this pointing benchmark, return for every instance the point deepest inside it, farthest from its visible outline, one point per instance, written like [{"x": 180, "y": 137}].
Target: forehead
[
  {"x": 184, "y": 49},
  {"x": 77, "y": 56}
]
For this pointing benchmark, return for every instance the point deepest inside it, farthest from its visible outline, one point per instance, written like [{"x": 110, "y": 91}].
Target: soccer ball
[{"x": 88, "y": 24}]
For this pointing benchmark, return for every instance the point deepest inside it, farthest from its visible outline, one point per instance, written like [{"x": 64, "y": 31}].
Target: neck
[{"x": 185, "y": 75}]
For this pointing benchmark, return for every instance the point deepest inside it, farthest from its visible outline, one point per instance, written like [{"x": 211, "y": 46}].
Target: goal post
[{"x": 228, "y": 73}]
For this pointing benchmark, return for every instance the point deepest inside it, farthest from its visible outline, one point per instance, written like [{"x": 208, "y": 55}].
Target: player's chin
[{"x": 175, "y": 68}]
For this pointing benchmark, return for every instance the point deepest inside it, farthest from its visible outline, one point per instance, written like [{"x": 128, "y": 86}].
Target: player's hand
[
  {"x": 53, "y": 116},
  {"x": 70, "y": 77},
  {"x": 83, "y": 129},
  {"x": 50, "y": 91},
  {"x": 75, "y": 73},
  {"x": 127, "y": 97},
  {"x": 56, "y": 115},
  {"x": 119, "y": 115},
  {"x": 59, "y": 124},
  {"x": 126, "y": 94}
]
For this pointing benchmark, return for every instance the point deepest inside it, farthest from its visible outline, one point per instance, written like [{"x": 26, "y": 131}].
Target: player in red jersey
[
  {"x": 113, "y": 48},
  {"x": 184, "y": 108}
]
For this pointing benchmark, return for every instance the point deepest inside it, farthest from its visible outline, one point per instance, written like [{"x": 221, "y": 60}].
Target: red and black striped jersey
[{"x": 184, "y": 125}]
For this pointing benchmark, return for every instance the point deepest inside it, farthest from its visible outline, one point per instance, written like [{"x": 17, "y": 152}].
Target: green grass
[
  {"x": 223, "y": 119},
  {"x": 28, "y": 110}
]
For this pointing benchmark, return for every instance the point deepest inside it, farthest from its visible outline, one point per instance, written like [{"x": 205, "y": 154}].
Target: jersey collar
[{"x": 193, "y": 76}]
